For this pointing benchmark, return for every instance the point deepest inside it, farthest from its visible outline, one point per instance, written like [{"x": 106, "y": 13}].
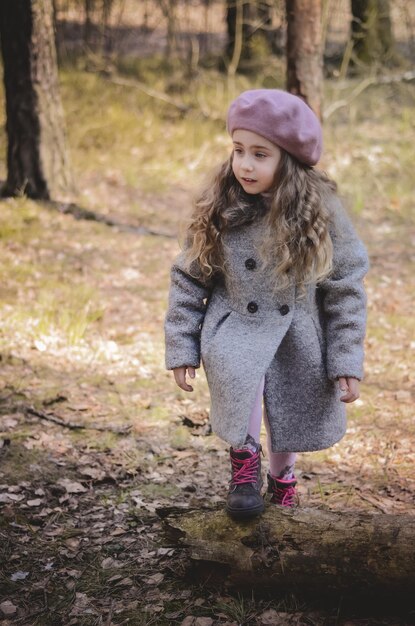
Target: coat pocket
[
  {"x": 321, "y": 340},
  {"x": 319, "y": 333},
  {"x": 214, "y": 327}
]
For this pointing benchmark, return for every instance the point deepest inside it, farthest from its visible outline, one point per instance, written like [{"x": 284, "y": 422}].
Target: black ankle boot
[
  {"x": 244, "y": 497},
  {"x": 283, "y": 492}
]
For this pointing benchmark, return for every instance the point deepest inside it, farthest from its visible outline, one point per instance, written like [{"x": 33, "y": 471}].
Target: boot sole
[{"x": 245, "y": 513}]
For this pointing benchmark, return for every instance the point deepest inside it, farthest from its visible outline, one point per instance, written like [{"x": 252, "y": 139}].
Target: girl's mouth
[{"x": 249, "y": 180}]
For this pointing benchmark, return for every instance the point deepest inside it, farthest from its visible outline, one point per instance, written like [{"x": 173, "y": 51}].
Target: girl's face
[{"x": 255, "y": 161}]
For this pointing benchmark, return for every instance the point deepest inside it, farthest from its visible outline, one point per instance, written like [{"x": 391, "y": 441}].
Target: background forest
[{"x": 97, "y": 444}]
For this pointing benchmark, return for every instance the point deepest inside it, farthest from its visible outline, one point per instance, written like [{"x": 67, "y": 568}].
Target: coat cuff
[
  {"x": 182, "y": 358},
  {"x": 345, "y": 370}
]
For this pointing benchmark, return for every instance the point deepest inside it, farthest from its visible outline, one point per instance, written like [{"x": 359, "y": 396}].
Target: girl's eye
[
  {"x": 237, "y": 150},
  {"x": 260, "y": 155}
]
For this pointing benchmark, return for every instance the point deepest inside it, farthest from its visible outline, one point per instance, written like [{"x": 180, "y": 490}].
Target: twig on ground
[
  {"x": 373, "y": 502},
  {"x": 119, "y": 430},
  {"x": 367, "y": 82},
  {"x": 80, "y": 213},
  {"x": 335, "y": 106},
  {"x": 149, "y": 91}
]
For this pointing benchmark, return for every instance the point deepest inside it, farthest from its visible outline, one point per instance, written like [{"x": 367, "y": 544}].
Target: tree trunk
[
  {"x": 252, "y": 23},
  {"x": 304, "y": 54},
  {"x": 372, "y": 36},
  {"x": 88, "y": 26},
  {"x": 37, "y": 160},
  {"x": 106, "y": 36},
  {"x": 169, "y": 8},
  {"x": 307, "y": 550}
]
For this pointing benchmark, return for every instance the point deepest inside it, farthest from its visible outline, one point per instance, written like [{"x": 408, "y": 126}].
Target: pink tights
[{"x": 281, "y": 464}]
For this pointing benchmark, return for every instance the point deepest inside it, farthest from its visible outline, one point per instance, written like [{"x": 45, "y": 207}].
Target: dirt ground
[
  {"x": 81, "y": 541},
  {"x": 95, "y": 438}
]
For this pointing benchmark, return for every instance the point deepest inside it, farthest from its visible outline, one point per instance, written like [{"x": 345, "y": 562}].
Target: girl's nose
[{"x": 246, "y": 164}]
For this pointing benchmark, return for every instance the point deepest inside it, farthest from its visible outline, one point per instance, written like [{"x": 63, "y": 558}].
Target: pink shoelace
[
  {"x": 285, "y": 496},
  {"x": 245, "y": 470}
]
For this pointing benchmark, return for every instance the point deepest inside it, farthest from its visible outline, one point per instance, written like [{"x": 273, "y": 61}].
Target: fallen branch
[
  {"x": 119, "y": 430},
  {"x": 149, "y": 91},
  {"x": 367, "y": 82},
  {"x": 335, "y": 106},
  {"x": 70, "y": 208},
  {"x": 306, "y": 550},
  {"x": 159, "y": 95}
]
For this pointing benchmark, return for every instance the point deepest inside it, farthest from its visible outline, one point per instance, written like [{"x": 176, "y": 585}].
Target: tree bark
[
  {"x": 311, "y": 550},
  {"x": 372, "y": 36},
  {"x": 304, "y": 53},
  {"x": 37, "y": 158}
]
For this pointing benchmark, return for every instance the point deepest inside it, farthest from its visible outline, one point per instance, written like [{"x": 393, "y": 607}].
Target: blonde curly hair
[{"x": 297, "y": 244}]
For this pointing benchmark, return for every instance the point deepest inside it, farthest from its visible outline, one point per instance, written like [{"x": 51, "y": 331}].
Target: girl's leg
[
  {"x": 281, "y": 479},
  {"x": 281, "y": 464}
]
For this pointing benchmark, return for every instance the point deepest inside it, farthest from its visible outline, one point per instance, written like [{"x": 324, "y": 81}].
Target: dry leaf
[
  {"x": 19, "y": 576},
  {"x": 40, "y": 345},
  {"x": 81, "y": 605},
  {"x": 93, "y": 472},
  {"x": 35, "y": 502},
  {"x": 8, "y": 608},
  {"x": 117, "y": 532},
  {"x": 188, "y": 621},
  {"x": 115, "y": 578},
  {"x": 403, "y": 396},
  {"x": 8, "y": 423},
  {"x": 109, "y": 563},
  {"x": 10, "y": 497},
  {"x": 71, "y": 486},
  {"x": 16, "y": 488},
  {"x": 72, "y": 543},
  {"x": 156, "y": 579},
  {"x": 276, "y": 618}
]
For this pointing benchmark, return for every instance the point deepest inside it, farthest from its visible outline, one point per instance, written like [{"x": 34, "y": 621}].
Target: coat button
[
  {"x": 250, "y": 264},
  {"x": 252, "y": 307},
  {"x": 284, "y": 309}
]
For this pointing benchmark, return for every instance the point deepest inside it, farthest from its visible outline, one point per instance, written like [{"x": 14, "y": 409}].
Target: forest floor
[{"x": 81, "y": 341}]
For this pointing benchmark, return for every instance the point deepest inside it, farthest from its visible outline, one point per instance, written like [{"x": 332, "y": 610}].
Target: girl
[{"x": 268, "y": 294}]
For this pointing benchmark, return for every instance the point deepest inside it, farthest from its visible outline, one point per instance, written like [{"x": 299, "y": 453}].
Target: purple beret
[{"x": 280, "y": 117}]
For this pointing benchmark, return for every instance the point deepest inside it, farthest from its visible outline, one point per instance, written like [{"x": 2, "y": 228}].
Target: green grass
[
  {"x": 155, "y": 144},
  {"x": 20, "y": 221},
  {"x": 61, "y": 313}
]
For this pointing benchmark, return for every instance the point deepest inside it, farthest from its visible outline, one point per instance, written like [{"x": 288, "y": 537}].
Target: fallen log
[{"x": 301, "y": 550}]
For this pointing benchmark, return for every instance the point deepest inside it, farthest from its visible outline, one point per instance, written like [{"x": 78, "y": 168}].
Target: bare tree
[
  {"x": 37, "y": 159},
  {"x": 372, "y": 36},
  {"x": 304, "y": 53},
  {"x": 248, "y": 22},
  {"x": 89, "y": 7},
  {"x": 169, "y": 9}
]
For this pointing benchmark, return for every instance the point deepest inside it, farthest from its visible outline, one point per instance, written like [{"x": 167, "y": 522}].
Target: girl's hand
[
  {"x": 180, "y": 376},
  {"x": 351, "y": 387}
]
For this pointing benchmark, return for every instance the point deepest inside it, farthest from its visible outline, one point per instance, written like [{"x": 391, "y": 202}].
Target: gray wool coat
[{"x": 243, "y": 330}]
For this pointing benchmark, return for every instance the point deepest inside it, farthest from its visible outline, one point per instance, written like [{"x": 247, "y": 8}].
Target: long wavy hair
[{"x": 297, "y": 245}]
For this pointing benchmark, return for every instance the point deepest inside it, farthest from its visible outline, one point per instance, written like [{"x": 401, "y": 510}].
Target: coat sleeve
[
  {"x": 185, "y": 314},
  {"x": 344, "y": 299}
]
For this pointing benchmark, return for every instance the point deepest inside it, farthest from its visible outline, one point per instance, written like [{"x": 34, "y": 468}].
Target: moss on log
[{"x": 304, "y": 549}]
